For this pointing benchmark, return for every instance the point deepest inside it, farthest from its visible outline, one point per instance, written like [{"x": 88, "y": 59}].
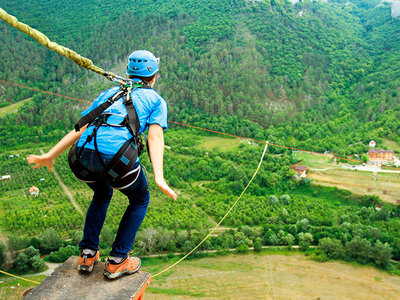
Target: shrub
[
  {"x": 3, "y": 249},
  {"x": 243, "y": 248},
  {"x": 333, "y": 248},
  {"x": 305, "y": 240},
  {"x": 359, "y": 249},
  {"x": 258, "y": 245},
  {"x": 273, "y": 200},
  {"x": 285, "y": 199},
  {"x": 63, "y": 254}
]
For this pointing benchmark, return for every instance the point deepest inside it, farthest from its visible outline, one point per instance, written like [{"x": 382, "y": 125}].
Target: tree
[
  {"x": 273, "y": 200},
  {"x": 147, "y": 239},
  {"x": 305, "y": 240},
  {"x": 257, "y": 245},
  {"x": 289, "y": 240},
  {"x": 228, "y": 241},
  {"x": 303, "y": 224},
  {"x": 358, "y": 249},
  {"x": 273, "y": 239},
  {"x": 16, "y": 243},
  {"x": 383, "y": 214},
  {"x": 188, "y": 246},
  {"x": 21, "y": 263},
  {"x": 3, "y": 253},
  {"x": 37, "y": 263},
  {"x": 63, "y": 254},
  {"x": 77, "y": 237},
  {"x": 31, "y": 252},
  {"x": 242, "y": 248},
  {"x": 381, "y": 254},
  {"x": 333, "y": 248},
  {"x": 50, "y": 240},
  {"x": 285, "y": 199},
  {"x": 107, "y": 236}
]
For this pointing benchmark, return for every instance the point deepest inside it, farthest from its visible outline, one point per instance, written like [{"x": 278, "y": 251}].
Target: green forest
[{"x": 310, "y": 75}]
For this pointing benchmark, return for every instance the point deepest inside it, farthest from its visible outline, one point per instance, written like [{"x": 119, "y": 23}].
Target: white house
[
  {"x": 6, "y": 177},
  {"x": 372, "y": 143}
]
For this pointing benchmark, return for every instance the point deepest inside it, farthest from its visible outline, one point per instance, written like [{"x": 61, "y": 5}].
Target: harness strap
[
  {"x": 133, "y": 119},
  {"x": 91, "y": 116},
  {"x": 126, "y": 156}
]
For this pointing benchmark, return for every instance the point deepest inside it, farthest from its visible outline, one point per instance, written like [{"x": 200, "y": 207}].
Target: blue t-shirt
[{"x": 150, "y": 107}]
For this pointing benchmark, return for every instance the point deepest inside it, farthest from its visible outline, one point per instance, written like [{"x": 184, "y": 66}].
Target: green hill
[
  {"x": 303, "y": 74},
  {"x": 321, "y": 76}
]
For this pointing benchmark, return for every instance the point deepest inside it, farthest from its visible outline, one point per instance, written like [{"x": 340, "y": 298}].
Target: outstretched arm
[
  {"x": 48, "y": 159},
  {"x": 156, "y": 149}
]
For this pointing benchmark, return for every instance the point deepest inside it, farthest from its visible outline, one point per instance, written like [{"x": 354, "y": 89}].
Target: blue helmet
[{"x": 142, "y": 63}]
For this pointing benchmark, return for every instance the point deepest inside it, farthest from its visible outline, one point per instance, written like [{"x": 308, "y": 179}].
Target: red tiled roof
[
  {"x": 380, "y": 151},
  {"x": 300, "y": 168}
]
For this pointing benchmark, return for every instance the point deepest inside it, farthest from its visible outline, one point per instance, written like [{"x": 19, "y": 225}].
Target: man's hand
[
  {"x": 162, "y": 185},
  {"x": 44, "y": 160},
  {"x": 48, "y": 159}
]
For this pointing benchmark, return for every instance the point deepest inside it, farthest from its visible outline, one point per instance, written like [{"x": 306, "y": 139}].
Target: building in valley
[{"x": 380, "y": 156}]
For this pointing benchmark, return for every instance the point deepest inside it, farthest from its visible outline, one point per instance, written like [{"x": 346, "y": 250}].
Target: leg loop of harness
[{"x": 116, "y": 169}]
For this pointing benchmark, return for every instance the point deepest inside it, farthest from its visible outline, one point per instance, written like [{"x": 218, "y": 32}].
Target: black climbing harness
[{"x": 119, "y": 170}]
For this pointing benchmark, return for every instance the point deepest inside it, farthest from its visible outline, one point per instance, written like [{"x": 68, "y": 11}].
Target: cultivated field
[
  {"x": 13, "y": 108},
  {"x": 390, "y": 145},
  {"x": 359, "y": 182},
  {"x": 291, "y": 277},
  {"x": 325, "y": 172},
  {"x": 220, "y": 143},
  {"x": 248, "y": 277}
]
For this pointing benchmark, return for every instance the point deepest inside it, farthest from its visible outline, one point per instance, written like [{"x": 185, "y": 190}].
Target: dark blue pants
[{"x": 138, "y": 195}]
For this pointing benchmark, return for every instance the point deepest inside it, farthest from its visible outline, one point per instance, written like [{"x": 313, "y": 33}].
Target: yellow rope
[
  {"x": 44, "y": 40},
  {"x": 219, "y": 223},
  {"x": 35, "y": 282}
]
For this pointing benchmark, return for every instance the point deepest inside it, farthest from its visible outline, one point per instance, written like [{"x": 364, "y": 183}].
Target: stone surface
[{"x": 66, "y": 282}]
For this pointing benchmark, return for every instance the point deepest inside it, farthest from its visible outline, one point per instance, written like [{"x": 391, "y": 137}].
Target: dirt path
[
  {"x": 68, "y": 193},
  {"x": 52, "y": 267},
  {"x": 66, "y": 190}
]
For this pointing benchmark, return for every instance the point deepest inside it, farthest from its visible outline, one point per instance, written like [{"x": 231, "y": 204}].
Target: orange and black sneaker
[
  {"x": 87, "y": 260},
  {"x": 128, "y": 265}
]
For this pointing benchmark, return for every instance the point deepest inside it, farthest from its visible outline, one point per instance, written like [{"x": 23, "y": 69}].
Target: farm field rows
[{"x": 25, "y": 214}]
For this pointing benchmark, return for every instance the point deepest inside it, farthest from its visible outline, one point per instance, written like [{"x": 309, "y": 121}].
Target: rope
[
  {"x": 45, "y": 41},
  {"x": 219, "y": 223},
  {"x": 214, "y": 131},
  {"x": 31, "y": 281}
]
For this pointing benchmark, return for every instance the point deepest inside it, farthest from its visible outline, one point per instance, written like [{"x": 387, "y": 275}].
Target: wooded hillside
[{"x": 312, "y": 75}]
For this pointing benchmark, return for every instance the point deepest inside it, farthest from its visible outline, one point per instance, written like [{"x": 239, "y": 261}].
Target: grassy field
[
  {"x": 293, "y": 277},
  {"x": 391, "y": 145},
  {"x": 253, "y": 276},
  {"x": 13, "y": 289},
  {"x": 13, "y": 108},
  {"x": 325, "y": 172},
  {"x": 220, "y": 143},
  {"x": 359, "y": 182},
  {"x": 314, "y": 161}
]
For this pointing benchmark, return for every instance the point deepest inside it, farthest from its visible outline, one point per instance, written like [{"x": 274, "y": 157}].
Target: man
[{"x": 96, "y": 153}]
